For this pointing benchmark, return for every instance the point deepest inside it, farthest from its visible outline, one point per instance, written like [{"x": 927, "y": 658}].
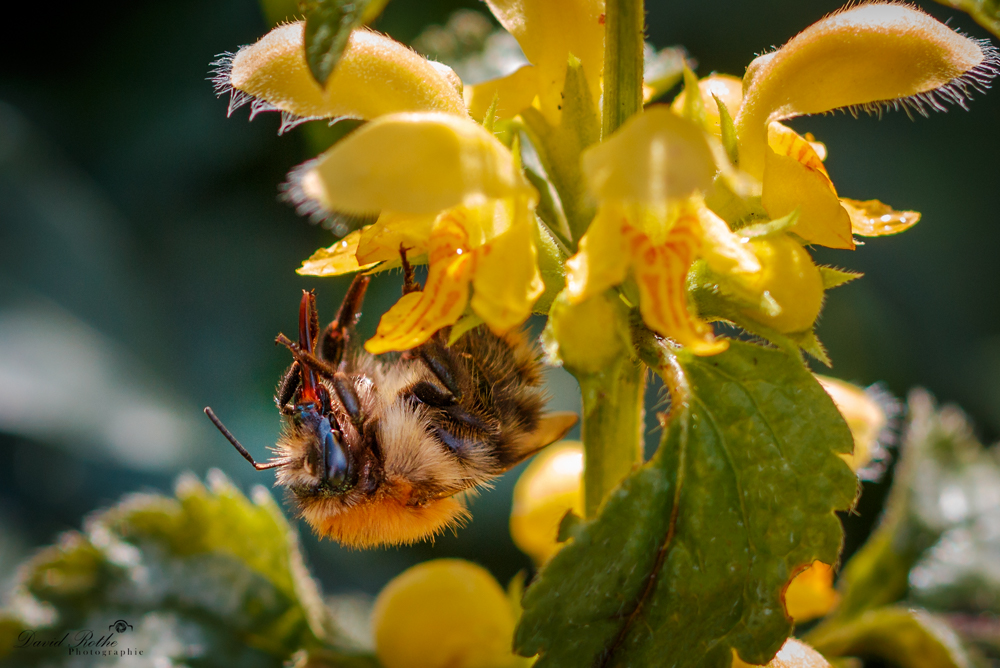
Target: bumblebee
[{"x": 376, "y": 450}]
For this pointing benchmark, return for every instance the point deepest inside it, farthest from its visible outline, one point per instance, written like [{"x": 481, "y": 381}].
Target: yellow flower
[
  {"x": 375, "y": 76},
  {"x": 652, "y": 223},
  {"x": 865, "y": 416},
  {"x": 810, "y": 594},
  {"x": 549, "y": 31},
  {"x": 551, "y": 486},
  {"x": 455, "y": 195},
  {"x": 868, "y": 57}
]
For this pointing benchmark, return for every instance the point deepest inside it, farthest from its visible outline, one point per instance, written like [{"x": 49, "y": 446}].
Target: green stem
[
  {"x": 623, "y": 41},
  {"x": 612, "y": 429}
]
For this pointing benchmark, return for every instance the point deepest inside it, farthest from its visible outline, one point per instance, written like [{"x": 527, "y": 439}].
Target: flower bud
[
  {"x": 789, "y": 276},
  {"x": 445, "y": 613},
  {"x": 550, "y": 486}
]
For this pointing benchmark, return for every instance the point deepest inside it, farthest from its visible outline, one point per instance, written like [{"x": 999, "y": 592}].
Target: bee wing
[{"x": 551, "y": 427}]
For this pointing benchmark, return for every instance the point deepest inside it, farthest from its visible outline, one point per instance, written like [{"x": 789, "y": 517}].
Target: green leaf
[
  {"x": 833, "y": 277},
  {"x": 688, "y": 557},
  {"x": 944, "y": 484},
  {"x": 905, "y": 638},
  {"x": 208, "y": 578},
  {"x": 328, "y": 27},
  {"x": 985, "y": 12},
  {"x": 559, "y": 148}
]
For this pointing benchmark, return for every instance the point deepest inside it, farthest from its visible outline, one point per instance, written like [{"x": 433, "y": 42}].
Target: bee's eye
[{"x": 335, "y": 460}]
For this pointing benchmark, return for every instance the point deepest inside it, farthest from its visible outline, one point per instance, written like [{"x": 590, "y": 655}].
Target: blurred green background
[{"x": 146, "y": 263}]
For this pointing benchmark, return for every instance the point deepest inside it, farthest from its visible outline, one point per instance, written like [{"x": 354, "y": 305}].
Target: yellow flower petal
[
  {"x": 603, "y": 260},
  {"x": 418, "y": 315},
  {"x": 661, "y": 274},
  {"x": 421, "y": 163},
  {"x": 724, "y": 251},
  {"x": 338, "y": 259},
  {"x": 795, "y": 178},
  {"x": 548, "y": 32},
  {"x": 810, "y": 594},
  {"x": 872, "y": 218},
  {"x": 381, "y": 241},
  {"x": 375, "y": 76},
  {"x": 514, "y": 92},
  {"x": 863, "y": 415},
  {"x": 868, "y": 56},
  {"x": 507, "y": 281},
  {"x": 654, "y": 157}
]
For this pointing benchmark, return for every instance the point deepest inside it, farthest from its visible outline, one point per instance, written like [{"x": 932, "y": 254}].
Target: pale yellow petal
[
  {"x": 514, "y": 92},
  {"x": 338, "y": 259},
  {"x": 548, "y": 32},
  {"x": 810, "y": 594},
  {"x": 376, "y": 75},
  {"x": 412, "y": 163},
  {"x": 724, "y": 251},
  {"x": 863, "y": 414},
  {"x": 507, "y": 281},
  {"x": 382, "y": 240},
  {"x": 793, "y": 654},
  {"x": 603, "y": 259},
  {"x": 872, "y": 218},
  {"x": 867, "y": 55},
  {"x": 654, "y": 157}
]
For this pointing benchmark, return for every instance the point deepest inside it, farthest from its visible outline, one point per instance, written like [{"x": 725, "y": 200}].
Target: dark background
[{"x": 146, "y": 263}]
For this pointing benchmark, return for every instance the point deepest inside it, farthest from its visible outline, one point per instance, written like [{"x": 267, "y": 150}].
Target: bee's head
[{"x": 319, "y": 463}]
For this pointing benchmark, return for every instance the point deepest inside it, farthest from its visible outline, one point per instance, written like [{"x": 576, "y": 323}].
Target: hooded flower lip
[
  {"x": 652, "y": 223},
  {"x": 548, "y": 32},
  {"x": 375, "y": 76},
  {"x": 867, "y": 57}
]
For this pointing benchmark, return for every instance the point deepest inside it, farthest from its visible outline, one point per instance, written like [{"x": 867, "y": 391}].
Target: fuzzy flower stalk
[{"x": 638, "y": 220}]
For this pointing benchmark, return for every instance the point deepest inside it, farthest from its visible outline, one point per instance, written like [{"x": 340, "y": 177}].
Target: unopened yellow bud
[
  {"x": 446, "y": 613},
  {"x": 551, "y": 486},
  {"x": 789, "y": 276},
  {"x": 868, "y": 56},
  {"x": 863, "y": 415},
  {"x": 587, "y": 335},
  {"x": 448, "y": 160},
  {"x": 810, "y": 594},
  {"x": 376, "y": 75},
  {"x": 726, "y": 88},
  {"x": 793, "y": 654}
]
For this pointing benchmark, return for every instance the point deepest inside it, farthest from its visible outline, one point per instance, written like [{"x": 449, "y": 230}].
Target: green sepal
[
  {"x": 559, "y": 148},
  {"x": 728, "y": 128},
  {"x": 810, "y": 343},
  {"x": 833, "y": 277},
  {"x": 985, "y": 12},
  {"x": 662, "y": 70},
  {"x": 908, "y": 638},
  {"x": 551, "y": 265},
  {"x": 329, "y": 24},
  {"x": 688, "y": 557},
  {"x": 490, "y": 117},
  {"x": 693, "y": 108},
  {"x": 770, "y": 228}
]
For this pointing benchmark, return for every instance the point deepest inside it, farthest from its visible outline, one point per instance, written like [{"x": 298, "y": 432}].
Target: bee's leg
[
  {"x": 341, "y": 382},
  {"x": 409, "y": 282},
  {"x": 337, "y": 334},
  {"x": 286, "y": 388}
]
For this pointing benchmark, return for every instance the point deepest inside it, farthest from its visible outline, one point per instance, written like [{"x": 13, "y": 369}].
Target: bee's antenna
[{"x": 274, "y": 463}]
